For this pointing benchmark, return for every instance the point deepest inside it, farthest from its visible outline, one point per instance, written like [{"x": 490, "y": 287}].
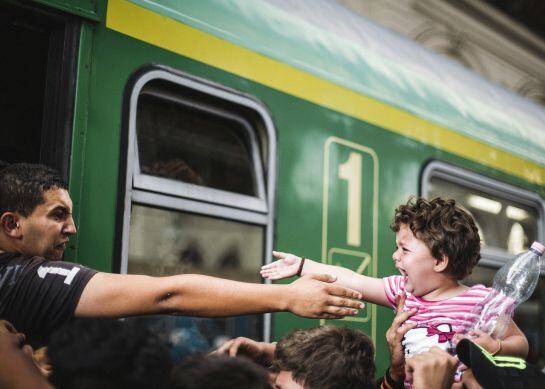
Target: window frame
[
  {"x": 490, "y": 256},
  {"x": 178, "y": 196},
  {"x": 202, "y": 193}
]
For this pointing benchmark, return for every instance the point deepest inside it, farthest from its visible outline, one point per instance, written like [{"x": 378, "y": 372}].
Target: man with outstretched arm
[{"x": 39, "y": 292}]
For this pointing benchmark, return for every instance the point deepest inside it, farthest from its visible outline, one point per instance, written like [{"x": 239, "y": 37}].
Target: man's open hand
[{"x": 315, "y": 296}]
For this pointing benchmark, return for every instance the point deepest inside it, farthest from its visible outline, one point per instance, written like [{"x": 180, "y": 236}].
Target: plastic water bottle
[{"x": 513, "y": 284}]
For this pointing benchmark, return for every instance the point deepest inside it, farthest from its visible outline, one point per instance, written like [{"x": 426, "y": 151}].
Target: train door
[
  {"x": 199, "y": 191},
  {"x": 37, "y": 85}
]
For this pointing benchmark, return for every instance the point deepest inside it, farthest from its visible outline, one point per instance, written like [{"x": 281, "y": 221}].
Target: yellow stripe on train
[{"x": 161, "y": 31}]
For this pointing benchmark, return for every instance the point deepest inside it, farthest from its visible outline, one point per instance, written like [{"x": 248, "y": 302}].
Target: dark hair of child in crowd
[
  {"x": 327, "y": 357},
  {"x": 22, "y": 186},
  {"x": 446, "y": 229},
  {"x": 108, "y": 354},
  {"x": 219, "y": 372}
]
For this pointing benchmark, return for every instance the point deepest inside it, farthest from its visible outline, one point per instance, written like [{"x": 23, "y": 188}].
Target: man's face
[
  {"x": 284, "y": 380},
  {"x": 45, "y": 232}
]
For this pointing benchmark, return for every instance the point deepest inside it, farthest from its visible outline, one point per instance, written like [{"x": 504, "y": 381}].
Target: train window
[
  {"x": 183, "y": 245},
  {"x": 509, "y": 220},
  {"x": 200, "y": 175},
  {"x": 504, "y": 224},
  {"x": 216, "y": 147},
  {"x": 193, "y": 146},
  {"x": 38, "y": 70}
]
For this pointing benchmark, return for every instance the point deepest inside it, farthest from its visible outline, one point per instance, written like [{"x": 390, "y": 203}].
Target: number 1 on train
[{"x": 350, "y": 171}]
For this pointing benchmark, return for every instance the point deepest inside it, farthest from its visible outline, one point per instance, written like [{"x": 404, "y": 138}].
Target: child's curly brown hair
[{"x": 446, "y": 229}]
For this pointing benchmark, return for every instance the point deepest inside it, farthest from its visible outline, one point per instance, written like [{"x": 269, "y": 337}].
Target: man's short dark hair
[
  {"x": 219, "y": 372},
  {"x": 327, "y": 357},
  {"x": 22, "y": 186},
  {"x": 108, "y": 354},
  {"x": 446, "y": 229}
]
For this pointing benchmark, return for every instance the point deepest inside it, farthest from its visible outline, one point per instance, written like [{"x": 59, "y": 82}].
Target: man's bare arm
[{"x": 116, "y": 295}]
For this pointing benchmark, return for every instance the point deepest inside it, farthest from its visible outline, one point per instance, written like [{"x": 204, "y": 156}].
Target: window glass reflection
[
  {"x": 165, "y": 242},
  {"x": 188, "y": 144},
  {"x": 503, "y": 224}
]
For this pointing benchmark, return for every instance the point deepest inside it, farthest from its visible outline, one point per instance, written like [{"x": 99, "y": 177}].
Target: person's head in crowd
[
  {"x": 35, "y": 211},
  {"x": 219, "y": 372},
  {"x": 327, "y": 357},
  {"x": 108, "y": 354},
  {"x": 447, "y": 231}
]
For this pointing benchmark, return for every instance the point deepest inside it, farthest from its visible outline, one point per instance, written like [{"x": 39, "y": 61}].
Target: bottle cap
[{"x": 538, "y": 247}]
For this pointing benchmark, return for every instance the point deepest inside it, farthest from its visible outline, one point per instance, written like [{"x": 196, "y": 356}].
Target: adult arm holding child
[{"x": 394, "y": 336}]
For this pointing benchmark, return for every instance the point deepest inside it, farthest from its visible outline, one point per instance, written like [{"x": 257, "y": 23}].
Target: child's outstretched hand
[{"x": 286, "y": 266}]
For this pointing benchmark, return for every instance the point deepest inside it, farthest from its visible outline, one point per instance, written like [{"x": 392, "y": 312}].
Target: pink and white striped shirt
[{"x": 437, "y": 321}]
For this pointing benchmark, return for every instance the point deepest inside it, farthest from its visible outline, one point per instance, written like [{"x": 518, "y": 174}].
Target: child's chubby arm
[
  {"x": 287, "y": 265},
  {"x": 514, "y": 343}
]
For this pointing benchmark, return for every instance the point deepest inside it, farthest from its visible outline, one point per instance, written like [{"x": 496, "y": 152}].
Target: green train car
[{"x": 199, "y": 135}]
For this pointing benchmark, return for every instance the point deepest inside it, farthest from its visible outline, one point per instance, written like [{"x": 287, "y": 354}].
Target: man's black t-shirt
[{"x": 38, "y": 296}]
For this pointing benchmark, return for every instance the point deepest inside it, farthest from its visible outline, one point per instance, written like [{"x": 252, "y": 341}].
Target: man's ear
[
  {"x": 441, "y": 264},
  {"x": 10, "y": 224}
]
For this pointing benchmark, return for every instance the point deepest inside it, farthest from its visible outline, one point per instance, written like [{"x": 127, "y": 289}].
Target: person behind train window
[
  {"x": 39, "y": 292},
  {"x": 218, "y": 372},
  {"x": 108, "y": 354},
  {"x": 437, "y": 245},
  {"x": 326, "y": 357}
]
